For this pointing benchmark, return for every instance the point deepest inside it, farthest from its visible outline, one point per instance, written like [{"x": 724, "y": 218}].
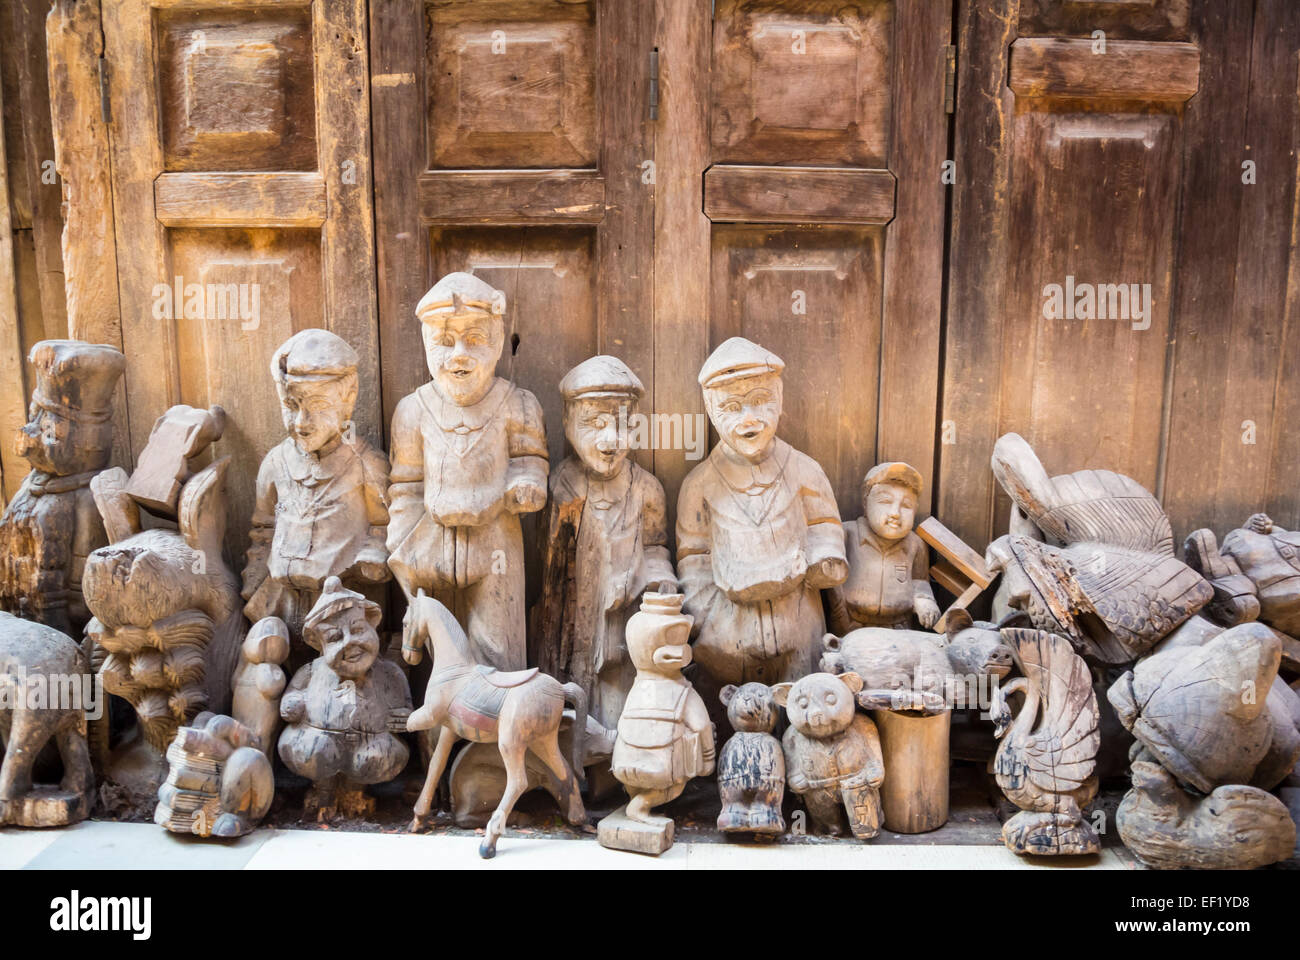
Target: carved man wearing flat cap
[
  {"x": 606, "y": 541},
  {"x": 889, "y": 566},
  {"x": 758, "y": 531},
  {"x": 468, "y": 456}
]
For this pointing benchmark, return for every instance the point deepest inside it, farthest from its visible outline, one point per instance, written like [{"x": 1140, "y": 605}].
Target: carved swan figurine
[{"x": 1047, "y": 757}]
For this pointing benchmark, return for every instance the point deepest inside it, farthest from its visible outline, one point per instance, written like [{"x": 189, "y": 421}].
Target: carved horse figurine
[{"x": 518, "y": 711}]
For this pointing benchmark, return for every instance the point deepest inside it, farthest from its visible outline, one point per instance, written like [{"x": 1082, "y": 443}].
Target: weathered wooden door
[
  {"x": 815, "y": 133},
  {"x": 242, "y": 191}
]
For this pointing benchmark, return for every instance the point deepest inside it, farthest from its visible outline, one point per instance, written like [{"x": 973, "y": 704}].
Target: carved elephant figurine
[{"x": 45, "y": 689}]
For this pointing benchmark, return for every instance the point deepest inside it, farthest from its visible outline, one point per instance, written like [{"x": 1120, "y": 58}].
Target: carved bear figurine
[
  {"x": 751, "y": 769},
  {"x": 832, "y": 753}
]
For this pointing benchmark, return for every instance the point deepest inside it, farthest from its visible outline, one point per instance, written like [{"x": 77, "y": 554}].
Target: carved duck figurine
[
  {"x": 1234, "y": 828},
  {"x": 1048, "y": 752}
]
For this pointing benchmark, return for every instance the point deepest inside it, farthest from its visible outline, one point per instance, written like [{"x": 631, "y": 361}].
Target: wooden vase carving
[
  {"x": 665, "y": 737},
  {"x": 1046, "y": 761},
  {"x": 37, "y": 660},
  {"x": 51, "y": 525},
  {"x": 914, "y": 749},
  {"x": 758, "y": 530}
]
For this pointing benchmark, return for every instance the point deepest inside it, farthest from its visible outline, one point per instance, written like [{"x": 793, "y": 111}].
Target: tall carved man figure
[
  {"x": 468, "y": 456},
  {"x": 322, "y": 492},
  {"x": 52, "y": 524},
  {"x": 607, "y": 540},
  {"x": 758, "y": 531}
]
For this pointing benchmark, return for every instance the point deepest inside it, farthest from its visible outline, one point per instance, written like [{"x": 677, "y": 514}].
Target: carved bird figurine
[
  {"x": 1048, "y": 752},
  {"x": 1234, "y": 828}
]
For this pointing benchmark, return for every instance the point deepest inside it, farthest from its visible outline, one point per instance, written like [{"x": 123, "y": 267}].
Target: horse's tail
[{"x": 574, "y": 694}]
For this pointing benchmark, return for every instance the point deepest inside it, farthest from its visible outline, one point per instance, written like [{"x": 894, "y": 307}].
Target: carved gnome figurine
[
  {"x": 322, "y": 493},
  {"x": 468, "y": 456},
  {"x": 51, "y": 526},
  {"x": 665, "y": 737},
  {"x": 344, "y": 707},
  {"x": 606, "y": 542},
  {"x": 758, "y": 530},
  {"x": 889, "y": 565}
]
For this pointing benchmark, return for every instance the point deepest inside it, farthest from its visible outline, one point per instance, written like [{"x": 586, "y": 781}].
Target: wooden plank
[
  {"x": 682, "y": 231},
  {"x": 911, "y": 342},
  {"x": 339, "y": 40},
  {"x": 511, "y": 197},
  {"x": 398, "y": 119},
  {"x": 75, "y": 43},
  {"x": 976, "y": 278},
  {"x": 954, "y": 550},
  {"x": 1128, "y": 69},
  {"x": 13, "y": 399},
  {"x": 152, "y": 358},
  {"x": 1283, "y": 502},
  {"x": 739, "y": 194},
  {"x": 44, "y": 194},
  {"x": 963, "y": 601},
  {"x": 949, "y": 577},
  {"x": 240, "y": 199}
]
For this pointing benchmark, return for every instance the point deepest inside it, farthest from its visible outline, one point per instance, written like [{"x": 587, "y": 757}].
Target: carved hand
[
  {"x": 829, "y": 572},
  {"x": 293, "y": 707},
  {"x": 1260, "y": 523},
  {"x": 927, "y": 611},
  {"x": 525, "y": 497}
]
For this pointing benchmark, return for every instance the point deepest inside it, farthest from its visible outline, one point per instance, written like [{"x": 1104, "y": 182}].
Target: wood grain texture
[
  {"x": 749, "y": 194},
  {"x": 512, "y": 197},
  {"x": 240, "y": 199},
  {"x": 1122, "y": 20},
  {"x": 1127, "y": 70},
  {"x": 13, "y": 395}
]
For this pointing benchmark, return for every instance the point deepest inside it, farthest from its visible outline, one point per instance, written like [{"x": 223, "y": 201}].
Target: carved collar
[
  {"x": 40, "y": 483},
  {"x": 464, "y": 420},
  {"x": 749, "y": 478},
  {"x": 867, "y": 537},
  {"x": 603, "y": 494},
  {"x": 311, "y": 469}
]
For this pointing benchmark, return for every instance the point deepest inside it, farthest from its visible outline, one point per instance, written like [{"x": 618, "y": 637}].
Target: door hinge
[
  {"x": 949, "y": 78},
  {"x": 105, "y": 110},
  {"x": 654, "y": 84}
]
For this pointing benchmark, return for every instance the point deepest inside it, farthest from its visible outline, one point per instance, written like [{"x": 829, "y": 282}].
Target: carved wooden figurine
[
  {"x": 918, "y": 670},
  {"x": 219, "y": 783},
  {"x": 519, "y": 711},
  {"x": 1233, "y": 828},
  {"x": 889, "y": 565},
  {"x": 260, "y": 680},
  {"x": 1046, "y": 761},
  {"x": 751, "y": 766},
  {"x": 167, "y": 617},
  {"x": 665, "y": 737},
  {"x": 468, "y": 456},
  {"x": 606, "y": 540},
  {"x": 322, "y": 493},
  {"x": 51, "y": 525},
  {"x": 1257, "y": 568},
  {"x": 39, "y": 667},
  {"x": 832, "y": 753},
  {"x": 758, "y": 530},
  {"x": 344, "y": 707},
  {"x": 178, "y": 436}
]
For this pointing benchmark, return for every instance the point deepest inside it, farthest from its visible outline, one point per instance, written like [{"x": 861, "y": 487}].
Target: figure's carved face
[
  {"x": 60, "y": 446},
  {"x": 665, "y": 652},
  {"x": 316, "y": 412},
  {"x": 820, "y": 705},
  {"x": 890, "y": 510},
  {"x": 592, "y": 426},
  {"x": 745, "y": 413},
  {"x": 349, "y": 644},
  {"x": 750, "y": 707},
  {"x": 462, "y": 353}
]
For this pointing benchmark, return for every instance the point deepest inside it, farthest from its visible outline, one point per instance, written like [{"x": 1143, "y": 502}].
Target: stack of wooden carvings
[{"x": 637, "y": 661}]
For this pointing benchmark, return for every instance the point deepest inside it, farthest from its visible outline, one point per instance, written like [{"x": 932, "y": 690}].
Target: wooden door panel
[
  {"x": 242, "y": 178},
  {"x": 812, "y": 295},
  {"x": 1118, "y": 19}
]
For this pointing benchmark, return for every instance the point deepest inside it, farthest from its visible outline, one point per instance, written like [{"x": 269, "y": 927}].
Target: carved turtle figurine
[
  {"x": 1203, "y": 710},
  {"x": 912, "y": 669},
  {"x": 1097, "y": 506}
]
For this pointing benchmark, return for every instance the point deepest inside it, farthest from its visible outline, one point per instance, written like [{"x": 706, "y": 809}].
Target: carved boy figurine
[
  {"x": 322, "y": 493},
  {"x": 758, "y": 531},
  {"x": 665, "y": 737},
  {"x": 832, "y": 753},
  {"x": 344, "y": 707},
  {"x": 51, "y": 525},
  {"x": 889, "y": 565},
  {"x": 606, "y": 542},
  {"x": 751, "y": 768},
  {"x": 469, "y": 456}
]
